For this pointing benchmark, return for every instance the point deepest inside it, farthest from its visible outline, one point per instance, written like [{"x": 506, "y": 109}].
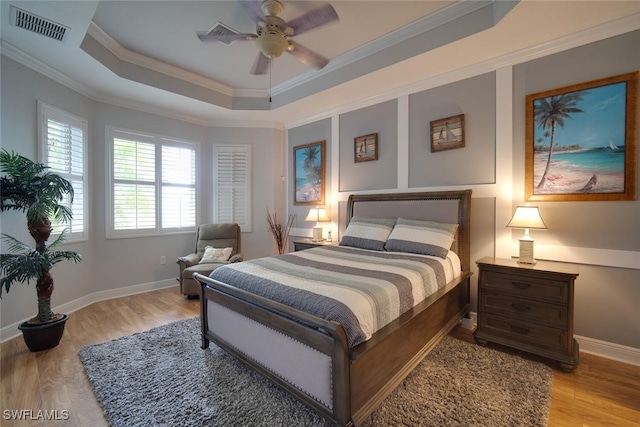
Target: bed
[{"x": 344, "y": 375}]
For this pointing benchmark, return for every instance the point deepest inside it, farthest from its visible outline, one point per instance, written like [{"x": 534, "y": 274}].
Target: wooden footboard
[
  {"x": 380, "y": 364},
  {"x": 361, "y": 378},
  {"x": 326, "y": 337}
]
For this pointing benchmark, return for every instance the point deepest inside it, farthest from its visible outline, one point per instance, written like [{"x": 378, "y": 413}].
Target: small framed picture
[
  {"x": 447, "y": 134},
  {"x": 365, "y": 148}
]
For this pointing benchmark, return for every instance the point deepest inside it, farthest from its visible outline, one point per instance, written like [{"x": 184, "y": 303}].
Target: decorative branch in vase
[{"x": 279, "y": 231}]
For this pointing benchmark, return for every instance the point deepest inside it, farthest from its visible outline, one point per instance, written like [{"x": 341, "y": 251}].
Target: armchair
[{"x": 213, "y": 235}]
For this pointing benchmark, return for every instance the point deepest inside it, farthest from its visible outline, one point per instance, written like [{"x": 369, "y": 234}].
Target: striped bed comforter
[{"x": 361, "y": 289}]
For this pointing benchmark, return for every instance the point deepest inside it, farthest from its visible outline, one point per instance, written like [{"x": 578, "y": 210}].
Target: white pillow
[
  {"x": 421, "y": 237},
  {"x": 212, "y": 255},
  {"x": 367, "y": 233}
]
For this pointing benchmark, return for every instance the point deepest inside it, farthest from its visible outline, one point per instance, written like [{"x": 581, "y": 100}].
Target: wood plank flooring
[{"x": 600, "y": 392}]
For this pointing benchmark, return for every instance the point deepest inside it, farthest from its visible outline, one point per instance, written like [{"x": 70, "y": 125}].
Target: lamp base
[
  {"x": 526, "y": 251},
  {"x": 317, "y": 234}
]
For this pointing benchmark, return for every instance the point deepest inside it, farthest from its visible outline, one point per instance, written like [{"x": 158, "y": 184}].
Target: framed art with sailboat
[
  {"x": 447, "y": 134},
  {"x": 365, "y": 148},
  {"x": 581, "y": 141}
]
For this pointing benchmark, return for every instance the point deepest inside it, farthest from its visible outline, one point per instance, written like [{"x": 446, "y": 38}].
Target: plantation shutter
[
  {"x": 134, "y": 188},
  {"x": 178, "y": 187},
  {"x": 63, "y": 142},
  {"x": 233, "y": 185}
]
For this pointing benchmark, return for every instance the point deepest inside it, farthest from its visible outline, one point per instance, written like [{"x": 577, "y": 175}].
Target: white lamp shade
[
  {"x": 527, "y": 217},
  {"x": 317, "y": 215}
]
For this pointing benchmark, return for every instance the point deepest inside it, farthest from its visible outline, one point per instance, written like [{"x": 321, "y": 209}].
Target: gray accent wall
[
  {"x": 476, "y": 99},
  {"x": 589, "y": 234},
  {"x": 306, "y": 134},
  {"x": 607, "y": 298},
  {"x": 377, "y": 174}
]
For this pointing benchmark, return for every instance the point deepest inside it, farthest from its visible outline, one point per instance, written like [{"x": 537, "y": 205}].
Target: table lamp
[
  {"x": 527, "y": 217},
  {"x": 317, "y": 214}
]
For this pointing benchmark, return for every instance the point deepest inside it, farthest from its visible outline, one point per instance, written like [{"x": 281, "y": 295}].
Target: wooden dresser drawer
[
  {"x": 522, "y": 286},
  {"x": 528, "y": 307},
  {"x": 548, "y": 314},
  {"x": 529, "y": 333}
]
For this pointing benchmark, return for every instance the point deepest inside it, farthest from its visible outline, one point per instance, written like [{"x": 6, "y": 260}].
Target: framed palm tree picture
[
  {"x": 309, "y": 173},
  {"x": 581, "y": 141}
]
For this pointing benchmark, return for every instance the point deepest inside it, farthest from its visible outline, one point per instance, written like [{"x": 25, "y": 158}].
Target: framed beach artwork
[
  {"x": 365, "y": 148},
  {"x": 309, "y": 173},
  {"x": 447, "y": 134},
  {"x": 581, "y": 141}
]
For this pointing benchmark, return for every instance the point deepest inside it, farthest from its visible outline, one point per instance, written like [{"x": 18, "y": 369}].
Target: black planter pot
[{"x": 45, "y": 336}]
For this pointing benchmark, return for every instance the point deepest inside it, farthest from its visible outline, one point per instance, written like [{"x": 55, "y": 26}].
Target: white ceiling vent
[
  {"x": 222, "y": 30},
  {"x": 37, "y": 24}
]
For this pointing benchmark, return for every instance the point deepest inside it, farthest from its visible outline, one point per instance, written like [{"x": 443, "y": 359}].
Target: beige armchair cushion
[{"x": 215, "y": 236}]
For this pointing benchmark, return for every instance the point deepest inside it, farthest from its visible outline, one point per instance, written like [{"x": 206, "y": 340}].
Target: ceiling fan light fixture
[{"x": 272, "y": 44}]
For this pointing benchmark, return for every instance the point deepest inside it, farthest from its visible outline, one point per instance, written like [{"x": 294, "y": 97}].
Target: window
[
  {"x": 233, "y": 185},
  {"x": 153, "y": 184},
  {"x": 63, "y": 148}
]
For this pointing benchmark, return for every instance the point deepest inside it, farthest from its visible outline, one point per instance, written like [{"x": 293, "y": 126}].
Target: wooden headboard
[{"x": 452, "y": 207}]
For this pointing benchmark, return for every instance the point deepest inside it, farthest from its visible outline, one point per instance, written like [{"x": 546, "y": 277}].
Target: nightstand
[
  {"x": 528, "y": 307},
  {"x": 302, "y": 244}
]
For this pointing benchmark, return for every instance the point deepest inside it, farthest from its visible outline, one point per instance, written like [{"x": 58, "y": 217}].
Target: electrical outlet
[{"x": 163, "y": 260}]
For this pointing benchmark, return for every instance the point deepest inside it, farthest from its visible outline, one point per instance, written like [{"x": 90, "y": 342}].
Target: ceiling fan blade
[
  {"x": 225, "y": 38},
  {"x": 307, "y": 56},
  {"x": 313, "y": 19},
  {"x": 260, "y": 65},
  {"x": 254, "y": 9}
]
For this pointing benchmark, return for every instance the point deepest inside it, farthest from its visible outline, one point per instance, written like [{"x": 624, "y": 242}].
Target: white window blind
[
  {"x": 62, "y": 138},
  {"x": 153, "y": 185},
  {"x": 233, "y": 185}
]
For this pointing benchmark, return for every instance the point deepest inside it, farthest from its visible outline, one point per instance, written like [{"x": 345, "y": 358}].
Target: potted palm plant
[{"x": 31, "y": 188}]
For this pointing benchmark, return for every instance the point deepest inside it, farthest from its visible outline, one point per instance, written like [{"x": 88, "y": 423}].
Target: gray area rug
[{"x": 162, "y": 377}]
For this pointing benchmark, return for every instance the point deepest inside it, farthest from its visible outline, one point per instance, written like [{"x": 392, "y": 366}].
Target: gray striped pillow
[
  {"x": 367, "y": 233},
  {"x": 421, "y": 237}
]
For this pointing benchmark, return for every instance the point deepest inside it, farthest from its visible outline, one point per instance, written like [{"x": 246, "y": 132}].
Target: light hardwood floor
[{"x": 600, "y": 392}]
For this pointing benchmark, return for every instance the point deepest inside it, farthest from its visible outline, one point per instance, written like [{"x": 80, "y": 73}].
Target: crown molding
[
  {"x": 426, "y": 23},
  {"x": 21, "y": 57},
  {"x": 600, "y": 32},
  {"x": 155, "y": 65},
  {"x": 10, "y": 51}
]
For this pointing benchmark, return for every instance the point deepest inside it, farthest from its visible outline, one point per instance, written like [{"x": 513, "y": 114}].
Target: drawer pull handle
[
  {"x": 521, "y": 285},
  {"x": 520, "y": 307},
  {"x": 520, "y": 329}
]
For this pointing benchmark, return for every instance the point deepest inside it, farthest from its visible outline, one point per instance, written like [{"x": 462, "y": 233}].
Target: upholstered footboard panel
[
  {"x": 299, "y": 365},
  {"x": 305, "y": 355}
]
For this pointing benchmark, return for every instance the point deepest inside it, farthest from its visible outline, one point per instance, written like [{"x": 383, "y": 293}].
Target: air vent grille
[
  {"x": 222, "y": 30},
  {"x": 37, "y": 24}
]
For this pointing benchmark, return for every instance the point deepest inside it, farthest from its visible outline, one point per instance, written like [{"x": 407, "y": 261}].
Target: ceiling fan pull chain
[{"x": 270, "y": 69}]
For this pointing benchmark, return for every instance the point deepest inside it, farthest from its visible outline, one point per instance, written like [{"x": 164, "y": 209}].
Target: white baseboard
[
  {"x": 609, "y": 350},
  {"x": 11, "y": 331},
  {"x": 605, "y": 349}
]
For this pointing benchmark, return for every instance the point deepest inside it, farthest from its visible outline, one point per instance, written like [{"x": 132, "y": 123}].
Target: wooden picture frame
[
  {"x": 365, "y": 148},
  {"x": 309, "y": 174},
  {"x": 447, "y": 134},
  {"x": 581, "y": 141}
]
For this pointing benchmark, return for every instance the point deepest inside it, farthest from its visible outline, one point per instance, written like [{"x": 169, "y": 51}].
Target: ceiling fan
[{"x": 273, "y": 34}]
